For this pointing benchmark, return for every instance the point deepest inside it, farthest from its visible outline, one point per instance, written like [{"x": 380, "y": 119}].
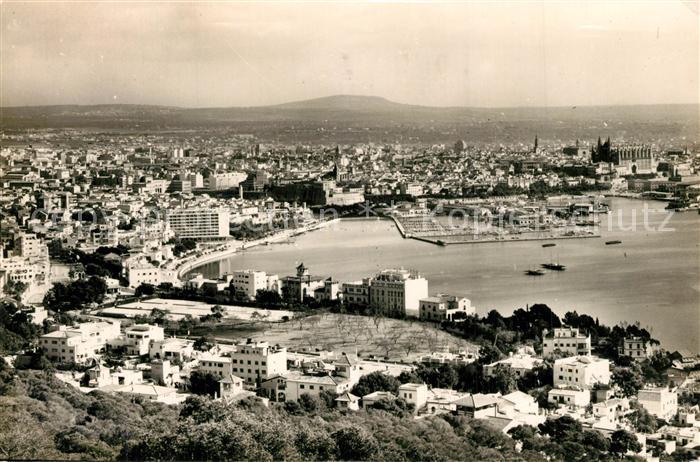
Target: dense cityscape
[{"x": 346, "y": 278}]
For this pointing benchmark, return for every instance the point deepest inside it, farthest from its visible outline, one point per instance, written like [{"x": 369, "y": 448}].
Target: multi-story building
[
  {"x": 567, "y": 340},
  {"x": 218, "y": 366},
  {"x": 444, "y": 307},
  {"x": 637, "y": 348},
  {"x": 255, "y": 181},
  {"x": 248, "y": 282},
  {"x": 255, "y": 362},
  {"x": 329, "y": 291},
  {"x": 228, "y": 180},
  {"x": 581, "y": 371},
  {"x": 142, "y": 272},
  {"x": 414, "y": 393},
  {"x": 173, "y": 349},
  {"x": 357, "y": 293},
  {"x": 397, "y": 292},
  {"x": 199, "y": 223},
  {"x": 78, "y": 344},
  {"x": 296, "y": 288},
  {"x": 27, "y": 245},
  {"x": 660, "y": 402},
  {"x": 298, "y": 383},
  {"x": 138, "y": 338}
]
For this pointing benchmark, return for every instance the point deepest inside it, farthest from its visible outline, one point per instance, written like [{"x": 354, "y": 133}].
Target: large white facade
[
  {"x": 568, "y": 340},
  {"x": 199, "y": 223},
  {"x": 78, "y": 344},
  {"x": 581, "y": 371},
  {"x": 660, "y": 402},
  {"x": 398, "y": 292}
]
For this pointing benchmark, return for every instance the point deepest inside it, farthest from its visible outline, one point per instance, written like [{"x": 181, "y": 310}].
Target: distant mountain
[
  {"x": 351, "y": 118},
  {"x": 346, "y": 103}
]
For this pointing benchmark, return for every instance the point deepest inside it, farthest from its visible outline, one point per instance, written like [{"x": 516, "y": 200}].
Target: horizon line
[{"x": 345, "y": 95}]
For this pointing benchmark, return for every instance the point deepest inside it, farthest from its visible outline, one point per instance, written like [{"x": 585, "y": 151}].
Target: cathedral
[{"x": 627, "y": 159}]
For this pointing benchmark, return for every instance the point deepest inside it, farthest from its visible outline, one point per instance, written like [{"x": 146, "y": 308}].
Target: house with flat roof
[
  {"x": 568, "y": 340},
  {"x": 581, "y": 371}
]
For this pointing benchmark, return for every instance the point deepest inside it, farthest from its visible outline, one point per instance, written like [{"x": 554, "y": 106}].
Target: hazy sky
[{"x": 443, "y": 54}]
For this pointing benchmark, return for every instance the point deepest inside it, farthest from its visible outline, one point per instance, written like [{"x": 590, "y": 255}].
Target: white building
[
  {"x": 218, "y": 366},
  {"x": 414, "y": 393},
  {"x": 199, "y": 223},
  {"x": 137, "y": 338},
  {"x": 581, "y": 371},
  {"x": 249, "y": 282},
  {"x": 173, "y": 349},
  {"x": 228, "y": 180},
  {"x": 571, "y": 397},
  {"x": 443, "y": 307},
  {"x": 254, "y": 362},
  {"x": 568, "y": 340},
  {"x": 520, "y": 364},
  {"x": 78, "y": 344},
  {"x": 637, "y": 348},
  {"x": 660, "y": 402},
  {"x": 298, "y": 383},
  {"x": 141, "y": 272},
  {"x": 398, "y": 292}
]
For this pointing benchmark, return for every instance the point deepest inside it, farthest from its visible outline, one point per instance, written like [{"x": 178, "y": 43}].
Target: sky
[{"x": 495, "y": 54}]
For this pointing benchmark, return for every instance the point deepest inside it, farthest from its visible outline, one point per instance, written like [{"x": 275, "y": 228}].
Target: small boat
[
  {"x": 441, "y": 243},
  {"x": 553, "y": 266},
  {"x": 613, "y": 242},
  {"x": 549, "y": 244},
  {"x": 534, "y": 273}
]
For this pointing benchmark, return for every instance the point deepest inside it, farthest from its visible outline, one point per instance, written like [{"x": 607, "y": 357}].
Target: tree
[
  {"x": 502, "y": 379},
  {"x": 203, "y": 343},
  {"x": 75, "y": 295},
  {"x": 376, "y": 381},
  {"x": 641, "y": 419},
  {"x": 204, "y": 383},
  {"x": 354, "y": 443},
  {"x": 145, "y": 289},
  {"x": 268, "y": 297},
  {"x": 309, "y": 403},
  {"x": 158, "y": 315},
  {"x": 629, "y": 379},
  {"x": 595, "y": 439},
  {"x": 563, "y": 428},
  {"x": 623, "y": 441},
  {"x": 15, "y": 289}
]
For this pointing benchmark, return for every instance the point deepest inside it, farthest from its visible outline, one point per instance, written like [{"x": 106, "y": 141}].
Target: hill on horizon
[{"x": 357, "y": 118}]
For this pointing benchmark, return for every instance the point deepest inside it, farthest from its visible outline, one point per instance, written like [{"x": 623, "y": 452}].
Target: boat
[
  {"x": 613, "y": 242},
  {"x": 534, "y": 272},
  {"x": 549, "y": 244},
  {"x": 441, "y": 243},
  {"x": 553, "y": 266}
]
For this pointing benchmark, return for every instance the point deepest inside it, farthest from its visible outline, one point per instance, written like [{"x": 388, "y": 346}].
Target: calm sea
[{"x": 653, "y": 277}]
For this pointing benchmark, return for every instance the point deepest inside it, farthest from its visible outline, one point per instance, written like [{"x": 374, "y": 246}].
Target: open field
[
  {"x": 178, "y": 309},
  {"x": 381, "y": 337}
]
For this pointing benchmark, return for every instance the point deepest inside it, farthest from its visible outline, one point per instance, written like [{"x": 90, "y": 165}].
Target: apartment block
[
  {"x": 660, "y": 402},
  {"x": 568, "y": 340},
  {"x": 637, "y": 348},
  {"x": 78, "y": 344},
  {"x": 199, "y": 223},
  {"x": 398, "y": 292},
  {"x": 248, "y": 282},
  {"x": 256, "y": 361},
  {"x": 581, "y": 371}
]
